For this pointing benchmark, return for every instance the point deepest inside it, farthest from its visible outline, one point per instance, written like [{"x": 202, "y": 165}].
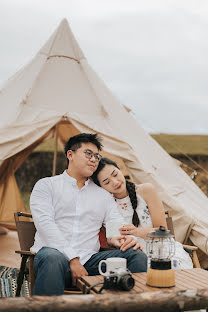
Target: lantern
[{"x": 160, "y": 249}]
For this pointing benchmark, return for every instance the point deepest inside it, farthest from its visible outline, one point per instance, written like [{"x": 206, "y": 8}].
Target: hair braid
[{"x": 133, "y": 198}]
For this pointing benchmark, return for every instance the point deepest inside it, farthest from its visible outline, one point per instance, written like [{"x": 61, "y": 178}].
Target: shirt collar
[{"x": 73, "y": 180}]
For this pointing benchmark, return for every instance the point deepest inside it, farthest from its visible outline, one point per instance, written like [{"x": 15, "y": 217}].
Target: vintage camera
[{"x": 121, "y": 279}]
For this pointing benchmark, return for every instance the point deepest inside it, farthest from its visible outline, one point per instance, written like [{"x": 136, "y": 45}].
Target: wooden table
[{"x": 185, "y": 280}]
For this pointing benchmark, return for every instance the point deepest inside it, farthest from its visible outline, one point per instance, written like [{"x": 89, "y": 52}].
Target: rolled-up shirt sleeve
[
  {"x": 113, "y": 214},
  {"x": 41, "y": 205}
]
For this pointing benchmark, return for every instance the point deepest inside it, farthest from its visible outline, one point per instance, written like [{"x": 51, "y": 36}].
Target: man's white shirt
[{"x": 68, "y": 218}]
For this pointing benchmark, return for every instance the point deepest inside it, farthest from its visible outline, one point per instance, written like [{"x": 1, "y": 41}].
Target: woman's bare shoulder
[{"x": 144, "y": 188}]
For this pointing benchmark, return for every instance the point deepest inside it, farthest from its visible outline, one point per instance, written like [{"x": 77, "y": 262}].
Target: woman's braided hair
[{"x": 131, "y": 189}]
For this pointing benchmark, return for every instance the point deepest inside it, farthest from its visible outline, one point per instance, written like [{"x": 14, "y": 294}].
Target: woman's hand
[
  {"x": 129, "y": 229},
  {"x": 124, "y": 243},
  {"x": 116, "y": 241}
]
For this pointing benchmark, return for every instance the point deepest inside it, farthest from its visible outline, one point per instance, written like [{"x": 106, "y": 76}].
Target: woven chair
[{"x": 26, "y": 232}]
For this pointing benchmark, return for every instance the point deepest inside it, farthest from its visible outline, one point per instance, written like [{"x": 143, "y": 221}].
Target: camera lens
[{"x": 127, "y": 282}]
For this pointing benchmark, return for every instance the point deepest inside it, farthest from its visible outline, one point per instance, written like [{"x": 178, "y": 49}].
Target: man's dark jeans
[{"x": 52, "y": 272}]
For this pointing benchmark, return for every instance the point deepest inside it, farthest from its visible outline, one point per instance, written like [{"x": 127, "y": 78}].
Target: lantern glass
[{"x": 162, "y": 248}]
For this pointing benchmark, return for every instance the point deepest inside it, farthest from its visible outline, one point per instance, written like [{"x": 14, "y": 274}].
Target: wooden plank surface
[{"x": 185, "y": 279}]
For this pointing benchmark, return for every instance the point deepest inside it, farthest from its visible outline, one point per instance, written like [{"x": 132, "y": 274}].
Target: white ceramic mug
[{"x": 112, "y": 265}]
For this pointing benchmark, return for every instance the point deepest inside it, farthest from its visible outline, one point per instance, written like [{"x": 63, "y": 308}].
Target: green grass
[
  {"x": 187, "y": 144},
  {"x": 172, "y": 143},
  {"x": 26, "y": 200},
  {"x": 48, "y": 146}
]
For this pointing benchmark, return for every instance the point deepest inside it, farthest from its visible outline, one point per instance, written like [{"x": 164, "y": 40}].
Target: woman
[{"x": 140, "y": 206}]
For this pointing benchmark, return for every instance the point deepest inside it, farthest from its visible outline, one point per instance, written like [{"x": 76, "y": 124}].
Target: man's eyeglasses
[{"x": 89, "y": 154}]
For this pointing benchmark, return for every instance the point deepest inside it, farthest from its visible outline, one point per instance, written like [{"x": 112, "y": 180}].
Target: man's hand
[
  {"x": 77, "y": 270},
  {"x": 124, "y": 243},
  {"x": 130, "y": 242}
]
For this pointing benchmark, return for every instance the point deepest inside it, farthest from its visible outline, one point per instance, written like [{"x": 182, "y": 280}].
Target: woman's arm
[
  {"x": 130, "y": 229},
  {"x": 154, "y": 203},
  {"x": 148, "y": 192}
]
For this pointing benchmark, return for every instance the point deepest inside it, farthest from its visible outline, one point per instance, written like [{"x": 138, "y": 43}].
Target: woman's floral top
[{"x": 181, "y": 259}]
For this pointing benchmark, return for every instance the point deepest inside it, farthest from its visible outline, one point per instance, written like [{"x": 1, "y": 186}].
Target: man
[{"x": 68, "y": 212}]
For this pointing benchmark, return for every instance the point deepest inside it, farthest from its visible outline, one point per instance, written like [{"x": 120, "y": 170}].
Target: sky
[{"x": 152, "y": 54}]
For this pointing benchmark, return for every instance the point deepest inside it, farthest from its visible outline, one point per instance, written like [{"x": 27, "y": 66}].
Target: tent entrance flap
[{"x": 10, "y": 197}]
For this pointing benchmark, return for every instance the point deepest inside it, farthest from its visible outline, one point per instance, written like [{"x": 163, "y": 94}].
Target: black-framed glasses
[{"x": 89, "y": 154}]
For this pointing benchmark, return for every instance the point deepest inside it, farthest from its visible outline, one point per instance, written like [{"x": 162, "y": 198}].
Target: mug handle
[{"x": 99, "y": 267}]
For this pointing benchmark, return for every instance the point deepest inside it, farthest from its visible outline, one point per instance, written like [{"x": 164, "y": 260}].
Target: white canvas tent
[{"x": 59, "y": 90}]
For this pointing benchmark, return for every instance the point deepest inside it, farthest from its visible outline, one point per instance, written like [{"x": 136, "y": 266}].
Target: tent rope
[{"x": 186, "y": 155}]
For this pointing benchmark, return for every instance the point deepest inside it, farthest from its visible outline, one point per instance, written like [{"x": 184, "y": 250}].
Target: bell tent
[{"x": 58, "y": 92}]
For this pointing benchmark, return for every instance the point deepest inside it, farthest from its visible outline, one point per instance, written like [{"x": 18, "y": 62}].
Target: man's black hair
[{"x": 76, "y": 141}]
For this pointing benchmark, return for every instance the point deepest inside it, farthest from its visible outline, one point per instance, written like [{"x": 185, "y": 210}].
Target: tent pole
[{"x": 55, "y": 149}]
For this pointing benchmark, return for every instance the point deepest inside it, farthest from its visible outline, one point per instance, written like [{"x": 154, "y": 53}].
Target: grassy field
[
  {"x": 26, "y": 200},
  {"x": 172, "y": 143},
  {"x": 186, "y": 144},
  {"x": 47, "y": 146}
]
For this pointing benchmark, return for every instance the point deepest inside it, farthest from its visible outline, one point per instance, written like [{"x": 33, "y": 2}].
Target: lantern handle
[{"x": 162, "y": 228}]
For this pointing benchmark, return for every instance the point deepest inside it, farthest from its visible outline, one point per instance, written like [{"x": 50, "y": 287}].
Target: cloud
[{"x": 151, "y": 54}]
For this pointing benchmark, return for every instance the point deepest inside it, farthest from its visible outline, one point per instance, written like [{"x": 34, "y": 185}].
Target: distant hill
[
  {"x": 174, "y": 144},
  {"x": 39, "y": 164},
  {"x": 187, "y": 144}
]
